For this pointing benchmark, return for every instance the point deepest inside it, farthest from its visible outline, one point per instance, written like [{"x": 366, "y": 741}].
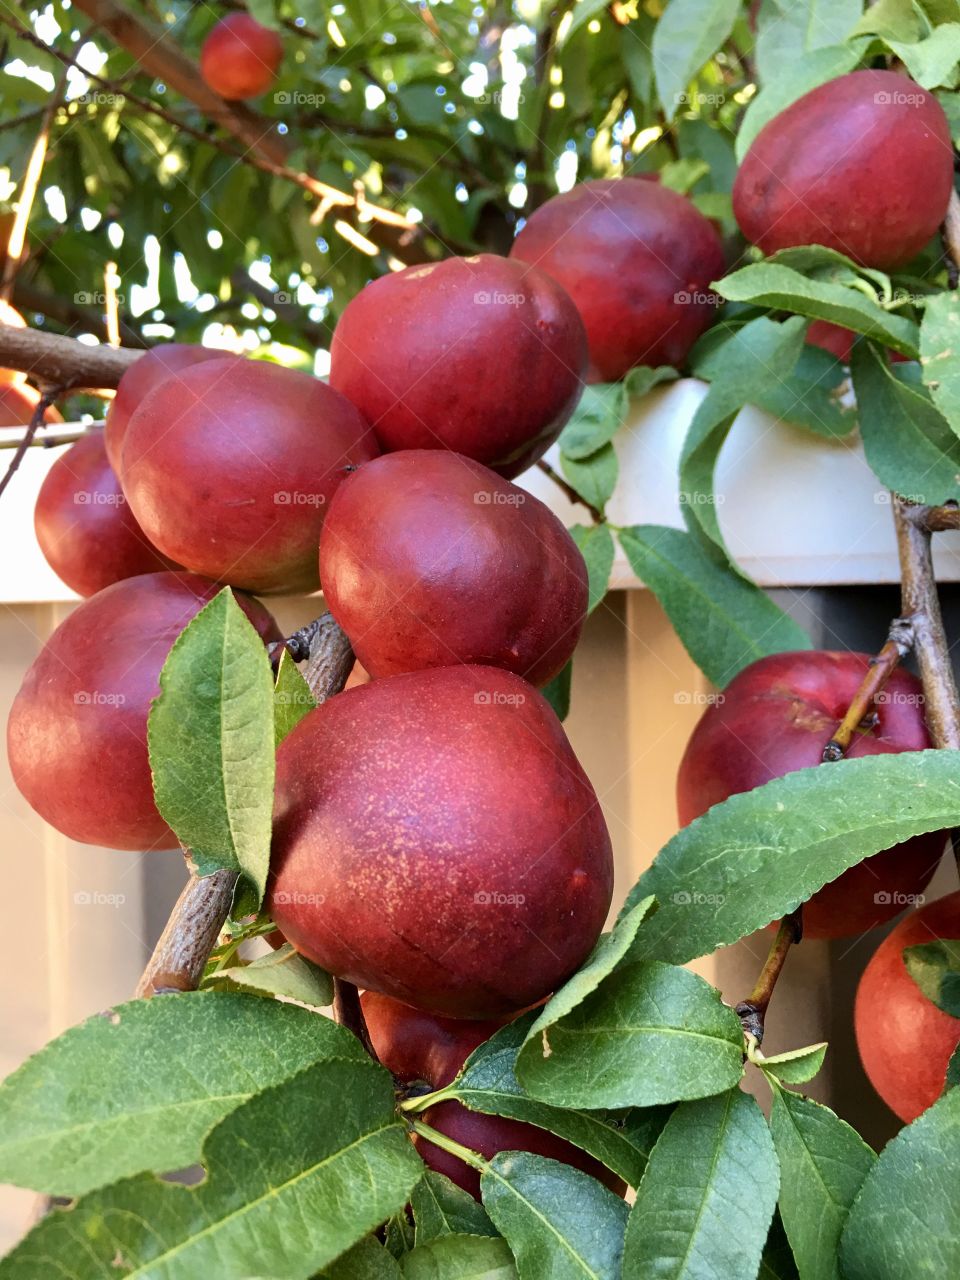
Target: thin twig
[
  {"x": 881, "y": 668},
  {"x": 36, "y": 422},
  {"x": 45, "y": 441},
  {"x": 544, "y": 466},
  {"x": 753, "y": 1011}
]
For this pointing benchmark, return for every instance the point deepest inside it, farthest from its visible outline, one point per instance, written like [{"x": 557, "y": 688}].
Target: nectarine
[
  {"x": 637, "y": 259},
  {"x": 428, "y": 558},
  {"x": 435, "y": 839},
  {"x": 777, "y": 715},
  {"x": 240, "y": 57},
  {"x": 480, "y": 355}
]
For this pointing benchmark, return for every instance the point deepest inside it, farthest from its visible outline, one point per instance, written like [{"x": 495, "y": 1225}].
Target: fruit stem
[
  {"x": 595, "y": 515},
  {"x": 348, "y": 1011},
  {"x": 753, "y": 1010},
  {"x": 420, "y": 1102},
  {"x": 881, "y": 668},
  {"x": 36, "y": 422},
  {"x": 447, "y": 1144}
]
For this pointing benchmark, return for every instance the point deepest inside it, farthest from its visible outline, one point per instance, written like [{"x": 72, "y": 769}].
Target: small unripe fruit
[
  {"x": 240, "y": 57},
  {"x": 905, "y": 1040},
  {"x": 637, "y": 259},
  {"x": 84, "y": 525},
  {"x": 776, "y": 716},
  {"x": 153, "y": 367},
  {"x": 480, "y": 355},
  {"x": 428, "y": 559},
  {"x": 862, "y": 164},
  {"x": 77, "y": 733},
  {"x": 229, "y": 467},
  {"x": 435, "y": 839}
]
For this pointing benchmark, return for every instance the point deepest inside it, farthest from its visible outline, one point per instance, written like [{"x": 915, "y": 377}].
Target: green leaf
[
  {"x": 933, "y": 61},
  {"x": 583, "y": 12},
  {"x": 688, "y": 34},
  {"x": 621, "y": 1140},
  {"x": 795, "y": 1067},
  {"x": 724, "y": 622},
  {"x": 292, "y": 699},
  {"x": 904, "y": 1221},
  {"x": 557, "y": 691},
  {"x": 806, "y": 73},
  {"x": 707, "y": 1199},
  {"x": 893, "y": 20},
  {"x": 441, "y": 1208},
  {"x": 641, "y": 380},
  {"x": 788, "y": 29},
  {"x": 651, "y": 1034},
  {"x": 939, "y": 345},
  {"x": 597, "y": 548},
  {"x": 611, "y": 951},
  {"x": 771, "y": 284},
  {"x": 367, "y": 1260},
  {"x": 561, "y": 1224},
  {"x": 823, "y": 1163},
  {"x": 282, "y": 973},
  {"x": 756, "y": 856},
  {"x": 294, "y": 1177},
  {"x": 461, "y": 1257},
  {"x": 777, "y": 1262},
  {"x": 935, "y": 968},
  {"x": 138, "y": 1087},
  {"x": 593, "y": 478},
  {"x": 210, "y": 735},
  {"x": 595, "y": 421},
  {"x": 908, "y": 443}
]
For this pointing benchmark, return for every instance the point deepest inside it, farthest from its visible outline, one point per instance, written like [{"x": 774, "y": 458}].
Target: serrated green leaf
[
  {"x": 892, "y": 19},
  {"x": 707, "y": 1199},
  {"x": 593, "y": 478},
  {"x": 441, "y": 1208},
  {"x": 908, "y": 442},
  {"x": 461, "y": 1257},
  {"x": 771, "y": 284},
  {"x": 688, "y": 34},
  {"x": 939, "y": 347},
  {"x": 723, "y": 621},
  {"x": 137, "y": 1088},
  {"x": 282, "y": 973},
  {"x": 935, "y": 968},
  {"x": 756, "y": 856},
  {"x": 795, "y": 1067},
  {"x": 904, "y": 1221},
  {"x": 561, "y": 1224},
  {"x": 788, "y": 29},
  {"x": 933, "y": 61},
  {"x": 651, "y": 1034},
  {"x": 808, "y": 72},
  {"x": 210, "y": 737},
  {"x": 294, "y": 1177},
  {"x": 621, "y": 1140},
  {"x": 597, "y": 548},
  {"x": 595, "y": 421},
  {"x": 367, "y": 1260},
  {"x": 292, "y": 699},
  {"x": 823, "y": 1163}
]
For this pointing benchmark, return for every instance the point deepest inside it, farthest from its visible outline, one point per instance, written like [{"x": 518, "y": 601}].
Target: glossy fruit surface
[
  {"x": 905, "y": 1040},
  {"x": 479, "y": 355},
  {"x": 414, "y": 1045},
  {"x": 435, "y": 839},
  {"x": 637, "y": 259},
  {"x": 240, "y": 57},
  {"x": 153, "y": 367},
  {"x": 76, "y": 736},
  {"x": 230, "y": 465},
  {"x": 84, "y": 525},
  {"x": 777, "y": 715},
  {"x": 862, "y": 164},
  {"x": 429, "y": 559}
]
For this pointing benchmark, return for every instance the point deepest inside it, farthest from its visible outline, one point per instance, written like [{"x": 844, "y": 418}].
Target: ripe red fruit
[
  {"x": 84, "y": 526},
  {"x": 905, "y": 1041},
  {"x": 777, "y": 715},
  {"x": 229, "y": 467},
  {"x": 839, "y": 341},
  {"x": 436, "y": 839},
  {"x": 77, "y": 730},
  {"x": 637, "y": 259},
  {"x": 862, "y": 164},
  {"x": 420, "y": 1046},
  {"x": 480, "y": 355},
  {"x": 152, "y": 368},
  {"x": 428, "y": 559},
  {"x": 240, "y": 58}
]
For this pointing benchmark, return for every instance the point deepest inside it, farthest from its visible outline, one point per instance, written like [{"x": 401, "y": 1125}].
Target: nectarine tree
[{"x": 460, "y": 213}]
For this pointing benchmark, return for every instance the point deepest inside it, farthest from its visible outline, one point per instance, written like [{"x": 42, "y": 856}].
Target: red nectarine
[{"x": 240, "y": 57}]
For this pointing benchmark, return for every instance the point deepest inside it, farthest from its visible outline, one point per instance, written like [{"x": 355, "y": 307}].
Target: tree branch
[
  {"x": 63, "y": 362},
  {"x": 202, "y": 909},
  {"x": 753, "y": 1011},
  {"x": 36, "y": 422}
]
